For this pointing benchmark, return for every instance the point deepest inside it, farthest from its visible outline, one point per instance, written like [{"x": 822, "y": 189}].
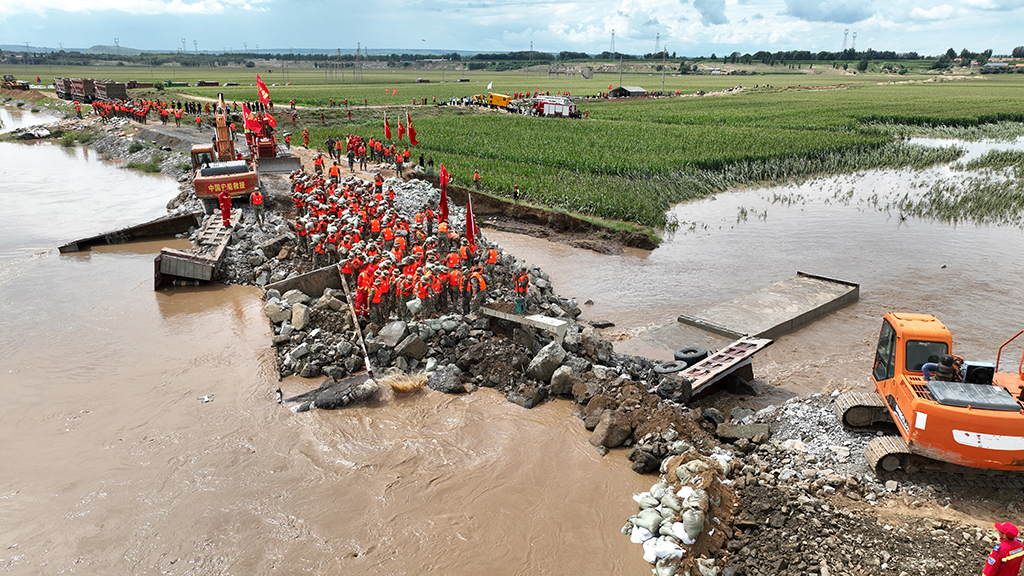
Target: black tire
[
  {"x": 691, "y": 355},
  {"x": 670, "y": 367}
]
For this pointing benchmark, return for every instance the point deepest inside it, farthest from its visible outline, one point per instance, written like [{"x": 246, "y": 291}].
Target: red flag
[
  {"x": 401, "y": 130},
  {"x": 251, "y": 123},
  {"x": 609, "y": 86},
  {"x": 394, "y": 91},
  {"x": 387, "y": 127},
  {"x": 412, "y": 132},
  {"x": 271, "y": 121},
  {"x": 442, "y": 206},
  {"x": 261, "y": 90},
  {"x": 471, "y": 230}
]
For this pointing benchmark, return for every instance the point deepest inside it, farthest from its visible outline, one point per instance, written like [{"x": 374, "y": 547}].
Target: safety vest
[
  {"x": 319, "y": 161},
  {"x": 481, "y": 283},
  {"x": 452, "y": 260},
  {"x": 464, "y": 252},
  {"x": 386, "y": 234},
  {"x": 454, "y": 278},
  {"x": 442, "y": 228},
  {"x": 492, "y": 256},
  {"x": 334, "y": 171},
  {"x": 435, "y": 284},
  {"x": 522, "y": 283},
  {"x": 476, "y": 176},
  {"x": 257, "y": 198}
]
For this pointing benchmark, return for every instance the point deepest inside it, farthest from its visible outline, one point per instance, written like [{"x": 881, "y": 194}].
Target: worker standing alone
[
  {"x": 1006, "y": 558},
  {"x": 224, "y": 199},
  {"x": 256, "y": 198}
]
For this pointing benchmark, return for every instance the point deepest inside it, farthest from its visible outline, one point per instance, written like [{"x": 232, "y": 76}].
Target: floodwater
[
  {"x": 112, "y": 464},
  {"x": 968, "y": 276}
]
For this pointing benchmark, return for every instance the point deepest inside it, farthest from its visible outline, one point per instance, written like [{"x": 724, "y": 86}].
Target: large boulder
[
  {"x": 300, "y": 316},
  {"x": 596, "y": 408},
  {"x": 276, "y": 312},
  {"x": 393, "y": 332},
  {"x": 612, "y": 430},
  {"x": 446, "y": 380},
  {"x": 412, "y": 347},
  {"x": 562, "y": 381},
  {"x": 730, "y": 432},
  {"x": 294, "y": 297},
  {"x": 545, "y": 362}
]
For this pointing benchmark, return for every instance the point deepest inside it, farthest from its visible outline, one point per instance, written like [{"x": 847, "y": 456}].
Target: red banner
[
  {"x": 387, "y": 127},
  {"x": 442, "y": 206},
  {"x": 412, "y": 132},
  {"x": 271, "y": 121},
  {"x": 471, "y": 230},
  {"x": 261, "y": 90},
  {"x": 401, "y": 130},
  {"x": 251, "y": 122}
]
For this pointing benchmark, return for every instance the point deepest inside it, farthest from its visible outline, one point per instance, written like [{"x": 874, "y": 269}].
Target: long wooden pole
[{"x": 355, "y": 319}]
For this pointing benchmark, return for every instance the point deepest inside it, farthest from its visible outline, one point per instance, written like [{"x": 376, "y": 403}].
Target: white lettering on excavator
[
  {"x": 988, "y": 441},
  {"x": 921, "y": 421}
]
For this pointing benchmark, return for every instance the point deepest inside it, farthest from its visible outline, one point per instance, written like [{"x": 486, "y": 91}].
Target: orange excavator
[
  {"x": 949, "y": 413},
  {"x": 219, "y": 167}
]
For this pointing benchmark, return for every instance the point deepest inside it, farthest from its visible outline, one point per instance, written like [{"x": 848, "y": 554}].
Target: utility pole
[
  {"x": 620, "y": 70},
  {"x": 663, "y": 55}
]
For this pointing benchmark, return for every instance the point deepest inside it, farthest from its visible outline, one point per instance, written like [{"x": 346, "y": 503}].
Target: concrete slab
[
  {"x": 776, "y": 309},
  {"x": 553, "y": 325}
]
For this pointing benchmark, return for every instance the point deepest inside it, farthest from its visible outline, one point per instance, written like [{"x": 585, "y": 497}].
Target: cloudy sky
[{"x": 689, "y": 27}]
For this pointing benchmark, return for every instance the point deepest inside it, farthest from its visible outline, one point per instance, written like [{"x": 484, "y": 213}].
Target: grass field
[{"x": 632, "y": 159}]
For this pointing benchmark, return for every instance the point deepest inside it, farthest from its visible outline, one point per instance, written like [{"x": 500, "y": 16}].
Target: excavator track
[
  {"x": 891, "y": 458},
  {"x": 861, "y": 410}
]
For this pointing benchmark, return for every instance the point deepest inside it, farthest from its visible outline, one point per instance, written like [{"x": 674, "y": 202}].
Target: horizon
[{"x": 686, "y": 27}]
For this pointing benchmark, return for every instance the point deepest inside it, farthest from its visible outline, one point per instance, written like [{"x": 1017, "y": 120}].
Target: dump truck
[
  {"x": 83, "y": 89},
  {"x": 219, "y": 167},
  {"x": 951, "y": 414},
  {"x": 63, "y": 88},
  {"x": 10, "y": 83},
  {"x": 109, "y": 90}
]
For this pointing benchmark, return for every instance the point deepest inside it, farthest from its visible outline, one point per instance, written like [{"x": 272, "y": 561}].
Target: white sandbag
[{"x": 640, "y": 535}]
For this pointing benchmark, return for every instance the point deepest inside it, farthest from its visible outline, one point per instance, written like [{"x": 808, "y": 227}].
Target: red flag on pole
[
  {"x": 609, "y": 86},
  {"x": 412, "y": 132},
  {"x": 251, "y": 123},
  {"x": 401, "y": 130},
  {"x": 387, "y": 127},
  {"x": 442, "y": 206},
  {"x": 394, "y": 91},
  {"x": 271, "y": 121},
  {"x": 261, "y": 90},
  {"x": 471, "y": 230}
]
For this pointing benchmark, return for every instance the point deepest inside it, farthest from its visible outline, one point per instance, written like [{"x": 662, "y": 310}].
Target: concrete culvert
[{"x": 691, "y": 355}]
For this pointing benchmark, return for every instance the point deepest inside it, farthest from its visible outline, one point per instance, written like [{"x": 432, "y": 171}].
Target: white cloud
[
  {"x": 132, "y": 7},
  {"x": 937, "y": 13}
]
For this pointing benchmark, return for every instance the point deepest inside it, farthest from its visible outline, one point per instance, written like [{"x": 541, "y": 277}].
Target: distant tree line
[{"x": 494, "y": 60}]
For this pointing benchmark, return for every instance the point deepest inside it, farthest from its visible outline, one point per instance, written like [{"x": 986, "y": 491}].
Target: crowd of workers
[{"x": 393, "y": 258}]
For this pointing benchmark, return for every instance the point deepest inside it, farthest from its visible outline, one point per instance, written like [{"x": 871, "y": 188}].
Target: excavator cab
[{"x": 948, "y": 412}]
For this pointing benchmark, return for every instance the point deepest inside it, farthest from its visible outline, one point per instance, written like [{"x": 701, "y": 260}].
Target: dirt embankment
[{"x": 508, "y": 216}]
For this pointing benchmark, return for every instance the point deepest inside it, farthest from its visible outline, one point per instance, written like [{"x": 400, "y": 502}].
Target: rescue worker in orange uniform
[
  {"x": 1006, "y": 558},
  {"x": 305, "y": 138},
  {"x": 476, "y": 179},
  {"x": 318, "y": 164},
  {"x": 224, "y": 199},
  {"x": 335, "y": 173},
  {"x": 256, "y": 199}
]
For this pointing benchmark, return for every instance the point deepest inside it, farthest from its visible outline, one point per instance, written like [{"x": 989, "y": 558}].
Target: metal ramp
[{"x": 736, "y": 358}]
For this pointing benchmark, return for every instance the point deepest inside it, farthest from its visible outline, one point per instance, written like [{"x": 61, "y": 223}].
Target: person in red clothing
[
  {"x": 224, "y": 199},
  {"x": 1006, "y": 558}
]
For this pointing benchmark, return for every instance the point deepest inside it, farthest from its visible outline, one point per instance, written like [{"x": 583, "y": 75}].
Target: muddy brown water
[{"x": 112, "y": 464}]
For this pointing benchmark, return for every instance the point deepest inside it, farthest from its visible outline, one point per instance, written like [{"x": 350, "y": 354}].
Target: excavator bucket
[{"x": 279, "y": 165}]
